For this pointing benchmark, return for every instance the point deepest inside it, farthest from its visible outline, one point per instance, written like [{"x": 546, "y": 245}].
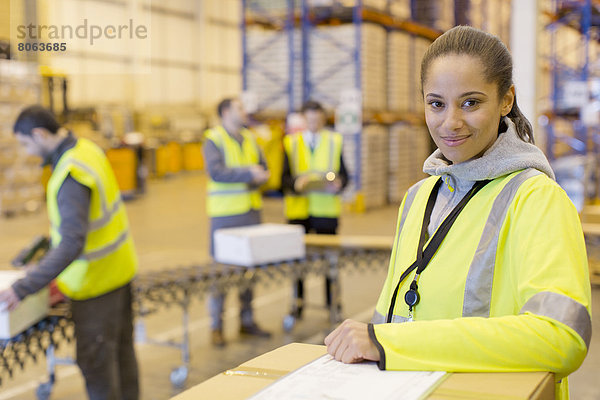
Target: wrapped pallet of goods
[
  {"x": 403, "y": 84},
  {"x": 437, "y": 14},
  {"x": 345, "y": 5},
  {"x": 373, "y": 164},
  {"x": 330, "y": 79},
  {"x": 400, "y": 9},
  {"x": 21, "y": 187},
  {"x": 268, "y": 70},
  {"x": 409, "y": 147}
]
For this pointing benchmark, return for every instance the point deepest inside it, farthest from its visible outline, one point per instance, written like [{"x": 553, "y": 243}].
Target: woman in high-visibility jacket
[{"x": 489, "y": 270}]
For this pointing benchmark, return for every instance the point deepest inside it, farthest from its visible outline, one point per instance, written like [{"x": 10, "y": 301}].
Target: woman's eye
[
  {"x": 436, "y": 104},
  {"x": 471, "y": 103}
]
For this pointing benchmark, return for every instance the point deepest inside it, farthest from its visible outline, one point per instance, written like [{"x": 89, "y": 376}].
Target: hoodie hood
[{"x": 508, "y": 154}]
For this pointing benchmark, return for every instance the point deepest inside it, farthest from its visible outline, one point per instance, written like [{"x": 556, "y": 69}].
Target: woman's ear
[{"x": 507, "y": 101}]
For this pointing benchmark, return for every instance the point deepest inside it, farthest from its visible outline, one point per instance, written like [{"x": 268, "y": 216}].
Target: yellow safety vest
[
  {"x": 108, "y": 260},
  {"x": 507, "y": 290},
  {"x": 227, "y": 199},
  {"x": 325, "y": 158}
]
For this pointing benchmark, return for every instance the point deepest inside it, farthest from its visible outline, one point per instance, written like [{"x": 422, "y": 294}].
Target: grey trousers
[
  {"x": 216, "y": 299},
  {"x": 216, "y": 302},
  {"x": 105, "y": 352}
]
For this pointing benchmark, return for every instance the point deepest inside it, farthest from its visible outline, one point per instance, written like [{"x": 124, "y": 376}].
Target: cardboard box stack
[
  {"x": 376, "y": 5},
  {"x": 409, "y": 148},
  {"x": 402, "y": 72},
  {"x": 330, "y": 45},
  {"x": 400, "y": 9},
  {"x": 20, "y": 175},
  {"x": 373, "y": 160},
  {"x": 268, "y": 71}
]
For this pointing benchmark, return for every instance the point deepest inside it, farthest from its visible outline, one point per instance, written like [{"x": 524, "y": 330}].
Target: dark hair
[
  {"x": 312, "y": 105},
  {"x": 223, "y": 106},
  {"x": 35, "y": 117},
  {"x": 494, "y": 56}
]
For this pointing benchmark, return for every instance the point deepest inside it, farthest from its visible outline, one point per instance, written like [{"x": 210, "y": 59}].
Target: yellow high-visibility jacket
[
  {"x": 108, "y": 260},
  {"x": 228, "y": 199},
  {"x": 325, "y": 158},
  {"x": 508, "y": 289}
]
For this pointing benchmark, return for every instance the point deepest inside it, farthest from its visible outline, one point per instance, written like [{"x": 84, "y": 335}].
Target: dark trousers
[
  {"x": 105, "y": 352},
  {"x": 216, "y": 299},
  {"x": 320, "y": 226}
]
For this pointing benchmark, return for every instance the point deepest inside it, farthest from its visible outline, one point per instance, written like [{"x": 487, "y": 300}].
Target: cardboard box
[
  {"x": 259, "y": 244},
  {"x": 254, "y": 375},
  {"x": 29, "y": 311}
]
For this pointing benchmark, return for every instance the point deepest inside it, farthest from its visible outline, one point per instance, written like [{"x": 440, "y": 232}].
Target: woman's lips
[{"x": 454, "y": 141}]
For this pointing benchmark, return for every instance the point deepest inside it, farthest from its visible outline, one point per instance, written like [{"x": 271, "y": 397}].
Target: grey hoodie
[{"x": 508, "y": 154}]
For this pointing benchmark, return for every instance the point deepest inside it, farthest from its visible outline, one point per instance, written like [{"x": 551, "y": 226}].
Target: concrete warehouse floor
[{"x": 170, "y": 228}]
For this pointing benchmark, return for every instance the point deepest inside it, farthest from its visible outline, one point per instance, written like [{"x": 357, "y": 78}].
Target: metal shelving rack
[
  {"x": 281, "y": 20},
  {"x": 304, "y": 17},
  {"x": 581, "y": 16},
  {"x": 357, "y": 14},
  {"x": 311, "y": 18}
]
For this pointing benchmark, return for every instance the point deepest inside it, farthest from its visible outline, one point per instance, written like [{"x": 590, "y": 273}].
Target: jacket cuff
[
  {"x": 381, "y": 363},
  {"x": 20, "y": 290}
]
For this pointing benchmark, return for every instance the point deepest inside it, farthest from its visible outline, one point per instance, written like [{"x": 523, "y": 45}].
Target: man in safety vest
[
  {"x": 236, "y": 169},
  {"x": 92, "y": 255},
  {"x": 313, "y": 176}
]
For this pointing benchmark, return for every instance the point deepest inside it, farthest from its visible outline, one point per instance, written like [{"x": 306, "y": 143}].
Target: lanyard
[{"x": 424, "y": 256}]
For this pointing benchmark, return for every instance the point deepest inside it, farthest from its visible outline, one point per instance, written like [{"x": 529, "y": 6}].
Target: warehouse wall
[
  {"x": 194, "y": 57},
  {"x": 4, "y": 19}
]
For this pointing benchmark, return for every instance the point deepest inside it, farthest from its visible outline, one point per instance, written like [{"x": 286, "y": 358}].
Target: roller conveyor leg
[{"x": 335, "y": 308}]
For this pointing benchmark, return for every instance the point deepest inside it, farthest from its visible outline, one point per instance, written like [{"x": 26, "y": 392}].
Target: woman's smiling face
[{"x": 462, "y": 109}]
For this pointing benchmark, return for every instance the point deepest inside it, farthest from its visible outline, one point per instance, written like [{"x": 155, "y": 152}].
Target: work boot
[
  {"x": 254, "y": 330},
  {"x": 217, "y": 338}
]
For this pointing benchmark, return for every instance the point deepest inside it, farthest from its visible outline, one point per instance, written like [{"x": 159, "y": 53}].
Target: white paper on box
[
  {"x": 259, "y": 244},
  {"x": 326, "y": 378},
  {"x": 29, "y": 311}
]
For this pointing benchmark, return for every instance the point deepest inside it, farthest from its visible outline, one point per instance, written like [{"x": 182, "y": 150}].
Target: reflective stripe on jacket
[
  {"x": 325, "y": 158},
  {"x": 508, "y": 289},
  {"x": 227, "y": 199},
  {"x": 108, "y": 260}
]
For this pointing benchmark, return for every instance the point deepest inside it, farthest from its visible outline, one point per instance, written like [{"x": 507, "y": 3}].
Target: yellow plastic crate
[
  {"x": 193, "y": 159},
  {"x": 124, "y": 165}
]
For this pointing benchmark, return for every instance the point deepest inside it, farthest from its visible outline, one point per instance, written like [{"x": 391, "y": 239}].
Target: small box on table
[{"x": 261, "y": 244}]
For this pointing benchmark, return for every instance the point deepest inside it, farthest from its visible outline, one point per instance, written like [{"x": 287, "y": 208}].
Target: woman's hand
[{"x": 350, "y": 343}]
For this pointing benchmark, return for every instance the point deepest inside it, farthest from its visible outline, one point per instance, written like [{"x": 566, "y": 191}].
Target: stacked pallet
[
  {"x": 377, "y": 5},
  {"x": 492, "y": 16},
  {"x": 421, "y": 46},
  {"x": 400, "y": 9},
  {"x": 402, "y": 72},
  {"x": 333, "y": 68},
  {"x": 20, "y": 175},
  {"x": 268, "y": 69},
  {"x": 404, "y": 55},
  {"x": 409, "y": 147},
  {"x": 438, "y": 14},
  {"x": 373, "y": 164},
  {"x": 277, "y": 8}
]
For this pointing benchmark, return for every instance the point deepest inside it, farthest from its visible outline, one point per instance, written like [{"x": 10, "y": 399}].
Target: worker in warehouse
[
  {"x": 488, "y": 272},
  {"x": 92, "y": 255},
  {"x": 313, "y": 175},
  {"x": 236, "y": 170}
]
